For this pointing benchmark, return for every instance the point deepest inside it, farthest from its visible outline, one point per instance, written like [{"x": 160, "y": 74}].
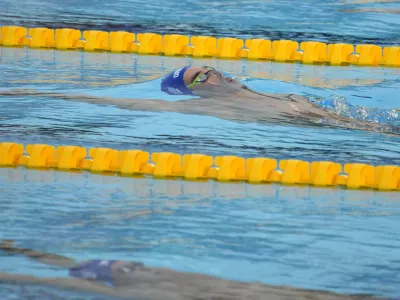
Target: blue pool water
[{"x": 329, "y": 239}]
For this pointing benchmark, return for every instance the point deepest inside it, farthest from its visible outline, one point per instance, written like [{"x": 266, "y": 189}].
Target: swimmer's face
[{"x": 208, "y": 82}]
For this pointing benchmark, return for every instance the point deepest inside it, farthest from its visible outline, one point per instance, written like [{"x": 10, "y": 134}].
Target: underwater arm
[
  {"x": 45, "y": 258},
  {"x": 126, "y": 103},
  {"x": 208, "y": 106}
]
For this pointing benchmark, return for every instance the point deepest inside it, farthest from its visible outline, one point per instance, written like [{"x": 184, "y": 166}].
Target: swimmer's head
[{"x": 200, "y": 81}]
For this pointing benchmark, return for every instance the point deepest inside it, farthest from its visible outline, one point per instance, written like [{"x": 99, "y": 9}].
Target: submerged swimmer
[
  {"x": 134, "y": 280},
  {"x": 223, "y": 97}
]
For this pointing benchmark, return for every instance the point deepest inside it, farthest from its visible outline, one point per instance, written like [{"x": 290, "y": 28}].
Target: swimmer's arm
[
  {"x": 45, "y": 258},
  {"x": 66, "y": 283},
  {"x": 125, "y": 103},
  {"x": 198, "y": 106}
]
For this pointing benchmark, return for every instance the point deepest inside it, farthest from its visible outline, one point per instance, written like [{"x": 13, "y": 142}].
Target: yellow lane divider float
[
  {"x": 201, "y": 167},
  {"x": 200, "y": 46}
]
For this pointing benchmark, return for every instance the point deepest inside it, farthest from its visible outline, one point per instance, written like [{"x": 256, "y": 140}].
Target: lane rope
[
  {"x": 261, "y": 170},
  {"x": 284, "y": 51}
]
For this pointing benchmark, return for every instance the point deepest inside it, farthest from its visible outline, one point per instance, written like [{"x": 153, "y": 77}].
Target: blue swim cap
[{"x": 173, "y": 83}]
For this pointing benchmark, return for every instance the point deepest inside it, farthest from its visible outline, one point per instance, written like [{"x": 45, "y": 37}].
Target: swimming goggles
[{"x": 202, "y": 77}]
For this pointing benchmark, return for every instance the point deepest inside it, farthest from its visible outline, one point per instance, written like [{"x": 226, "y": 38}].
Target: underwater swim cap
[{"x": 173, "y": 83}]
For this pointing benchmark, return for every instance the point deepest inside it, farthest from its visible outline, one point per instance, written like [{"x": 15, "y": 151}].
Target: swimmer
[
  {"x": 223, "y": 97},
  {"x": 134, "y": 280}
]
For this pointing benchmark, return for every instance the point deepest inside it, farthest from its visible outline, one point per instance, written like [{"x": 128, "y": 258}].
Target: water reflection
[
  {"x": 158, "y": 197},
  {"x": 50, "y": 67}
]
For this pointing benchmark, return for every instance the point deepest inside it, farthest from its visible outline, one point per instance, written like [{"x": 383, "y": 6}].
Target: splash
[{"x": 340, "y": 106}]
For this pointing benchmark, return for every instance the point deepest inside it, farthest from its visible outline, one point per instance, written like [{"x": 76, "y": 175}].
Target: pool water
[
  {"x": 51, "y": 121},
  {"x": 330, "y": 239},
  {"x": 338, "y": 240}
]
